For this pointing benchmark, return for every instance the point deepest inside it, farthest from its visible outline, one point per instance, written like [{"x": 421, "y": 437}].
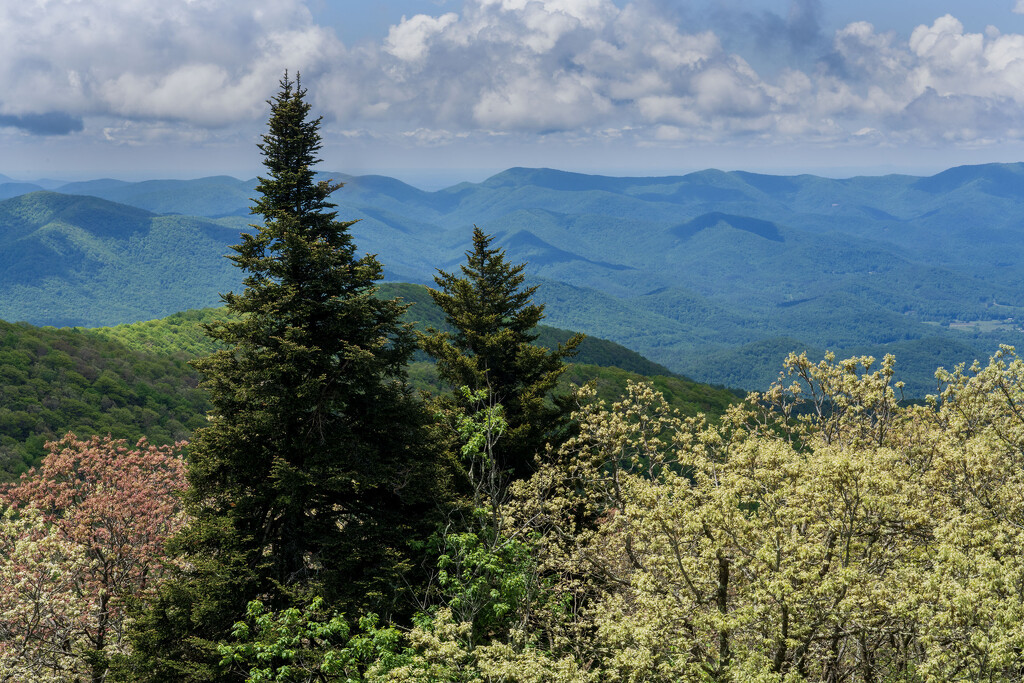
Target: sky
[{"x": 438, "y": 91}]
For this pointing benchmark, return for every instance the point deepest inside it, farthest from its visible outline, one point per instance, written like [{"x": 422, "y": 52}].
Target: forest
[
  {"x": 134, "y": 380},
  {"x": 327, "y": 522}
]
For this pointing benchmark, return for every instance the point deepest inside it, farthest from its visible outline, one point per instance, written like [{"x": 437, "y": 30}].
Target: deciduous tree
[
  {"x": 865, "y": 542},
  {"x": 83, "y": 538}
]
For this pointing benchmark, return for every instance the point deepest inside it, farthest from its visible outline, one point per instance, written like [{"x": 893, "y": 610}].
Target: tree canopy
[
  {"x": 491, "y": 348},
  {"x": 823, "y": 530},
  {"x": 865, "y": 541},
  {"x": 82, "y": 539}
]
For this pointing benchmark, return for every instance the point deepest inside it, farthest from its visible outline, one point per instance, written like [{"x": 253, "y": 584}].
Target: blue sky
[{"x": 435, "y": 91}]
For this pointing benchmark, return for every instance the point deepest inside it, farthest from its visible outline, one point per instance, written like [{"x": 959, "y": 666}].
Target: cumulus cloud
[
  {"x": 204, "y": 62},
  {"x": 563, "y": 101},
  {"x": 409, "y": 40},
  {"x": 548, "y": 66},
  {"x": 944, "y": 84},
  {"x": 528, "y": 68}
]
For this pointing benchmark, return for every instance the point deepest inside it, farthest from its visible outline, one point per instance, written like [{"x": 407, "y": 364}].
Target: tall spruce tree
[
  {"x": 491, "y": 348},
  {"x": 312, "y": 475}
]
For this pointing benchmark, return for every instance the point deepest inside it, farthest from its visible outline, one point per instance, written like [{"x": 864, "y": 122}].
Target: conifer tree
[
  {"x": 491, "y": 348},
  {"x": 312, "y": 475}
]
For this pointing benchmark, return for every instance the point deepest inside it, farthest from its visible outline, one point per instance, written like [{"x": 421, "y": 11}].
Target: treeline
[{"x": 866, "y": 541}]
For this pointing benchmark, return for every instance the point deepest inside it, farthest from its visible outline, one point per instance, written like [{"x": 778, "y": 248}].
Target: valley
[{"x": 715, "y": 275}]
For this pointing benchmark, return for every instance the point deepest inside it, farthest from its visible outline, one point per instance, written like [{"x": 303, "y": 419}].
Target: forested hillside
[
  {"x": 135, "y": 380},
  {"x": 183, "y": 333},
  {"x": 69, "y": 260},
  {"x": 716, "y": 275},
  {"x": 53, "y": 381}
]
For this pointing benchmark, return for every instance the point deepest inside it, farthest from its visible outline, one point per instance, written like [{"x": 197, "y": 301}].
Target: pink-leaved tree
[{"x": 80, "y": 538}]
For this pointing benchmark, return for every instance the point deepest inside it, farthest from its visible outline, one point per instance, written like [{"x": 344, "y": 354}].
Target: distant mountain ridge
[
  {"x": 10, "y": 189},
  {"x": 693, "y": 271},
  {"x": 81, "y": 260},
  {"x": 212, "y": 197}
]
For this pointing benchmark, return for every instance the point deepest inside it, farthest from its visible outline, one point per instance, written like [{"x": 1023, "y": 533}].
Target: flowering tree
[
  {"x": 855, "y": 539},
  {"x": 81, "y": 536},
  {"x": 820, "y": 531},
  {"x": 39, "y": 614}
]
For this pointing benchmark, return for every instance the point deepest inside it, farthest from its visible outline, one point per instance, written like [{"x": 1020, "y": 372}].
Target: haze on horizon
[{"x": 444, "y": 90}]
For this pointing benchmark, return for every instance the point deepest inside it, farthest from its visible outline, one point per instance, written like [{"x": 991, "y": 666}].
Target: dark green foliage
[
  {"x": 686, "y": 396},
  {"x": 184, "y": 333},
  {"x": 301, "y": 645},
  {"x": 53, "y": 381},
  {"x": 491, "y": 347},
  {"x": 153, "y": 390},
  {"x": 314, "y": 474},
  {"x": 424, "y": 313},
  {"x": 599, "y": 352}
]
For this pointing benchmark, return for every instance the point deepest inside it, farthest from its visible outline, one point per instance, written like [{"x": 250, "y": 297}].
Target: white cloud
[
  {"x": 133, "y": 134},
  {"x": 545, "y": 66},
  {"x": 409, "y": 40},
  {"x": 571, "y": 68},
  {"x": 955, "y": 63},
  {"x": 562, "y": 101},
  {"x": 203, "y": 62},
  {"x": 728, "y": 90}
]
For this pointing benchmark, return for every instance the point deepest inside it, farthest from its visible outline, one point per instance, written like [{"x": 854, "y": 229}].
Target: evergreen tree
[
  {"x": 312, "y": 475},
  {"x": 491, "y": 348}
]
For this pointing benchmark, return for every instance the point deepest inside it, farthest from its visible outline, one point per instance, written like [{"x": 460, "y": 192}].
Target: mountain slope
[
  {"x": 681, "y": 268},
  {"x": 213, "y": 196},
  {"x": 55, "y": 381},
  {"x": 70, "y": 260},
  {"x": 134, "y": 380},
  {"x": 183, "y": 333}
]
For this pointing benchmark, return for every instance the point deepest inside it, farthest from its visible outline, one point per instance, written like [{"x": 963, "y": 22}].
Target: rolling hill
[
  {"x": 134, "y": 380},
  {"x": 77, "y": 260},
  {"x": 694, "y": 271},
  {"x": 57, "y": 380}
]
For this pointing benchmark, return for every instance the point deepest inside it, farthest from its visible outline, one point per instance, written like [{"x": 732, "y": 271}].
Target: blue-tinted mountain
[
  {"x": 10, "y": 189},
  {"x": 755, "y": 226},
  {"x": 689, "y": 269},
  {"x": 214, "y": 196},
  {"x": 78, "y": 260}
]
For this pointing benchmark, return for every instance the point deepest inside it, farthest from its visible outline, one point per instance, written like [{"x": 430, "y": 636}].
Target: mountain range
[{"x": 716, "y": 275}]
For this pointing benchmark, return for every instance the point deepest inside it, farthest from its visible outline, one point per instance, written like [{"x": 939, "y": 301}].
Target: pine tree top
[
  {"x": 491, "y": 348},
  {"x": 290, "y": 152}
]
